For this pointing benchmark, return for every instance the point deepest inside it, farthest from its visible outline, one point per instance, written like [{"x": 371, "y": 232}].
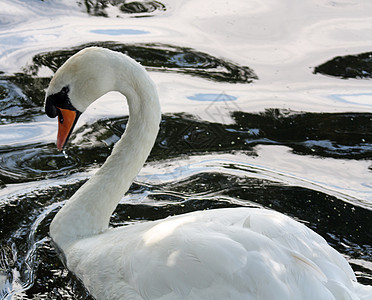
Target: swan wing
[{"x": 219, "y": 254}]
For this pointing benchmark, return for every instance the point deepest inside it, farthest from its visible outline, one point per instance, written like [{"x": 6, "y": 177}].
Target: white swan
[{"x": 237, "y": 253}]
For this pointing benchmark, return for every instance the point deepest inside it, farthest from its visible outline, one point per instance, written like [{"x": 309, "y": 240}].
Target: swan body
[{"x": 233, "y": 253}]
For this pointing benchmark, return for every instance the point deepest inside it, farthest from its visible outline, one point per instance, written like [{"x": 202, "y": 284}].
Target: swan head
[
  {"x": 82, "y": 79},
  {"x": 59, "y": 104}
]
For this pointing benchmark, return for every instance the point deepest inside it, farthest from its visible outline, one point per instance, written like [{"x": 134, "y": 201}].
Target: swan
[{"x": 232, "y": 253}]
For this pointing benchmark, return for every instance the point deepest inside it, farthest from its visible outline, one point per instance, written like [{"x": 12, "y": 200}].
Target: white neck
[{"x": 89, "y": 210}]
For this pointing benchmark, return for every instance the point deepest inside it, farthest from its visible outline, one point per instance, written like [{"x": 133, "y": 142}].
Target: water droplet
[{"x": 64, "y": 154}]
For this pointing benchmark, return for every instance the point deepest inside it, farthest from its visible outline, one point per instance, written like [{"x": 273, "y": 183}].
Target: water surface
[{"x": 265, "y": 104}]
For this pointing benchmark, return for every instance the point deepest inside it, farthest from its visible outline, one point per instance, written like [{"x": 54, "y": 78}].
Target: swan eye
[{"x": 65, "y": 90}]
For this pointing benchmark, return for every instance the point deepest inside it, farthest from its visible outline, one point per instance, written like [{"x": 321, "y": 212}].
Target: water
[{"x": 257, "y": 112}]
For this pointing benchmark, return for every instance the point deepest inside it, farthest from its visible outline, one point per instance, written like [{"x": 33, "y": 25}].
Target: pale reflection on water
[{"x": 248, "y": 120}]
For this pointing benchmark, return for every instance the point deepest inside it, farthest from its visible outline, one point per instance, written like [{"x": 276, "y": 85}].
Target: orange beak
[{"x": 66, "y": 123}]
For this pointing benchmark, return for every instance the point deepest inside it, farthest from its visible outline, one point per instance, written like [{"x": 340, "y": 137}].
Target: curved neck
[{"x": 89, "y": 210}]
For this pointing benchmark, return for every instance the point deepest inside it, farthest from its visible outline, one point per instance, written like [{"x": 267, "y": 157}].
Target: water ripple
[
  {"x": 159, "y": 57},
  {"x": 138, "y": 8},
  {"x": 348, "y": 66},
  {"x": 25, "y": 165}
]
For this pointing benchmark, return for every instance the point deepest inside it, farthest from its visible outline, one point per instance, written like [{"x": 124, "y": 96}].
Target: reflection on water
[
  {"x": 213, "y": 97},
  {"x": 342, "y": 135},
  {"x": 140, "y": 8},
  {"x": 349, "y": 66},
  {"x": 119, "y": 31},
  {"x": 33, "y": 164},
  {"x": 355, "y": 98},
  {"x": 136, "y": 7},
  {"x": 159, "y": 57},
  {"x": 21, "y": 94},
  {"x": 314, "y": 167},
  {"x": 15, "y": 106},
  {"x": 22, "y": 90}
]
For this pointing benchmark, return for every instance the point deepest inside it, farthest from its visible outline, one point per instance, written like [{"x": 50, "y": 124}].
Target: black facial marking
[{"x": 58, "y": 100}]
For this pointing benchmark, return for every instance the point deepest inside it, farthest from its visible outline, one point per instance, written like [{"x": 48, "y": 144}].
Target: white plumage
[{"x": 234, "y": 253}]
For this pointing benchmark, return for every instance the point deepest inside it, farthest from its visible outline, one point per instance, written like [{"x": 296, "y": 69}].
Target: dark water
[
  {"x": 142, "y": 8},
  {"x": 195, "y": 164},
  {"x": 349, "y": 66}
]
